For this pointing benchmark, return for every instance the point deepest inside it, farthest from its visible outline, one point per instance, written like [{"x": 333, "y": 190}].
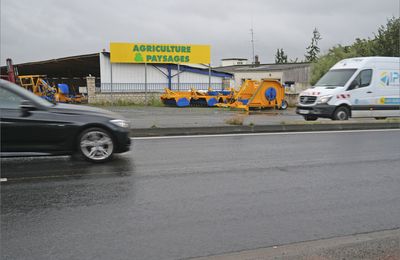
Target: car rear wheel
[{"x": 96, "y": 145}]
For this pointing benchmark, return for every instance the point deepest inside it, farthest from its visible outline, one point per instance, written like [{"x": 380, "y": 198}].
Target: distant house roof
[
  {"x": 234, "y": 59},
  {"x": 262, "y": 67}
]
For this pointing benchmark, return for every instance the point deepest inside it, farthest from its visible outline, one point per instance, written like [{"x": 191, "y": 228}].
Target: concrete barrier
[{"x": 170, "y": 131}]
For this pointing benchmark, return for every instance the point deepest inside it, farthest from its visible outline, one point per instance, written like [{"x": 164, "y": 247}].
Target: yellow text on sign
[{"x": 159, "y": 53}]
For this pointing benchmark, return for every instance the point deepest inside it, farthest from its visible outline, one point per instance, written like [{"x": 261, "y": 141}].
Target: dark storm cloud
[{"x": 44, "y": 29}]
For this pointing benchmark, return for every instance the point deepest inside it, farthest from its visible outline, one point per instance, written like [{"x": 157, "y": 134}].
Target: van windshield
[{"x": 336, "y": 78}]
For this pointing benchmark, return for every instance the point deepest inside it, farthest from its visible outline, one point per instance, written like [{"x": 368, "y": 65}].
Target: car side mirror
[
  {"x": 354, "y": 84},
  {"x": 26, "y": 107}
]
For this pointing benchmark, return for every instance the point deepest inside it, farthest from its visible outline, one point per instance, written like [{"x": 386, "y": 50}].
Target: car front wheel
[{"x": 96, "y": 145}]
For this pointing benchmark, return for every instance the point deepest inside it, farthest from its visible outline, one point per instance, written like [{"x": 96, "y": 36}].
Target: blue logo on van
[{"x": 389, "y": 78}]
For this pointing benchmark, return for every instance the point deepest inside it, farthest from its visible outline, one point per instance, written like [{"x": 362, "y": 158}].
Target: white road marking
[{"x": 263, "y": 134}]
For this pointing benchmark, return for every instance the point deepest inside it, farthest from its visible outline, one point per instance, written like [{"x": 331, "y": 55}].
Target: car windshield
[
  {"x": 29, "y": 95},
  {"x": 336, "y": 78}
]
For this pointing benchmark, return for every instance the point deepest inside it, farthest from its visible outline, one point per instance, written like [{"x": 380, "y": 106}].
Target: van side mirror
[
  {"x": 354, "y": 84},
  {"x": 26, "y": 107}
]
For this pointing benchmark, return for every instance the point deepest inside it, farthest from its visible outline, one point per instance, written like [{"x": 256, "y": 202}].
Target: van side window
[{"x": 363, "y": 79}]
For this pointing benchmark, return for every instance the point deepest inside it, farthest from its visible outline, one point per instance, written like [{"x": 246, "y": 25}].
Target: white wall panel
[
  {"x": 135, "y": 73},
  {"x": 131, "y": 77}
]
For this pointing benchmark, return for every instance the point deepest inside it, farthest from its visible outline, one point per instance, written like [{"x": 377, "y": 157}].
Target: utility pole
[{"x": 252, "y": 42}]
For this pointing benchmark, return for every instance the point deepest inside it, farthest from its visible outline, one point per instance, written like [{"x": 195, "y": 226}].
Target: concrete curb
[
  {"x": 374, "y": 245},
  {"x": 170, "y": 131}
]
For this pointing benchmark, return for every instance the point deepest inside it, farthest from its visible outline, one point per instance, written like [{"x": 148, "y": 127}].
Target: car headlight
[
  {"x": 324, "y": 99},
  {"x": 120, "y": 123}
]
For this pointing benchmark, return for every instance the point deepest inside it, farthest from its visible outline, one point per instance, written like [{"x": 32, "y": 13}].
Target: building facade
[
  {"x": 294, "y": 75},
  {"x": 139, "y": 77}
]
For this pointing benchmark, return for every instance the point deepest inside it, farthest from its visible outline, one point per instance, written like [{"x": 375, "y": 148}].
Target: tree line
[{"x": 385, "y": 42}]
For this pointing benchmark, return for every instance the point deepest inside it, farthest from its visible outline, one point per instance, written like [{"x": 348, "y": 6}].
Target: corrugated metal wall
[{"x": 299, "y": 75}]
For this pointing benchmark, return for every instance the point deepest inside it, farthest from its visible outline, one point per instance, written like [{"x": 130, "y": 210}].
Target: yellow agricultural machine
[
  {"x": 195, "y": 98},
  {"x": 251, "y": 95},
  {"x": 38, "y": 85},
  {"x": 65, "y": 95},
  {"x": 258, "y": 95},
  {"x": 176, "y": 98}
]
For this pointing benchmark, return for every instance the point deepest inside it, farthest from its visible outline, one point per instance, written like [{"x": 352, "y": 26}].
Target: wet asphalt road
[{"x": 187, "y": 197}]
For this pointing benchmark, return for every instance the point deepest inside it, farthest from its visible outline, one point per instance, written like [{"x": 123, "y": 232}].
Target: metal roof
[
  {"x": 234, "y": 59},
  {"x": 81, "y": 66},
  {"x": 262, "y": 67},
  {"x": 68, "y": 67}
]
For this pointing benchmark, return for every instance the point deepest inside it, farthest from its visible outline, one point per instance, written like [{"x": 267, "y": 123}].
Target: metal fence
[{"x": 154, "y": 87}]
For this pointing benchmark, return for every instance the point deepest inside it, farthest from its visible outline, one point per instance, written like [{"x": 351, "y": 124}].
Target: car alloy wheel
[{"x": 96, "y": 145}]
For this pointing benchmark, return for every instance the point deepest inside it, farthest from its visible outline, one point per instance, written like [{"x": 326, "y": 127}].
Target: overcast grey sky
[{"x": 33, "y": 30}]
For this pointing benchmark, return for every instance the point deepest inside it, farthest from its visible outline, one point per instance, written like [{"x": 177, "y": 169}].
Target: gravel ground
[
  {"x": 148, "y": 117},
  {"x": 381, "y": 245}
]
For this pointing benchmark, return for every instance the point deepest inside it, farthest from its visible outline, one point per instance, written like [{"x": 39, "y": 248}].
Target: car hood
[
  {"x": 321, "y": 91},
  {"x": 83, "y": 110}
]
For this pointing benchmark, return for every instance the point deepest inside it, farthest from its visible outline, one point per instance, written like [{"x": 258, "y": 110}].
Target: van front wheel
[{"x": 341, "y": 113}]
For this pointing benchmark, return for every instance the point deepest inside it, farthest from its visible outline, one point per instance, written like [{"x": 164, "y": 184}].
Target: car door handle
[{"x": 369, "y": 92}]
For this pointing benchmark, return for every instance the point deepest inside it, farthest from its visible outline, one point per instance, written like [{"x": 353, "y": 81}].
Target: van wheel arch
[{"x": 342, "y": 112}]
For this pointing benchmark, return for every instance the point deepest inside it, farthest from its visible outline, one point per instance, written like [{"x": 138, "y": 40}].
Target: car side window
[
  {"x": 9, "y": 100},
  {"x": 363, "y": 79}
]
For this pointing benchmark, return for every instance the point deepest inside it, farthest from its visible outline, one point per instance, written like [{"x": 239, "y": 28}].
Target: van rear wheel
[{"x": 341, "y": 113}]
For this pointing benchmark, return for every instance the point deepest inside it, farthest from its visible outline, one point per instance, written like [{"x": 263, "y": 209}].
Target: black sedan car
[{"x": 31, "y": 125}]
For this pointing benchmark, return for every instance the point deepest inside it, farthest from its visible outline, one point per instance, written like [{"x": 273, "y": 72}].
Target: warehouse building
[
  {"x": 132, "y": 77},
  {"x": 71, "y": 70},
  {"x": 124, "y": 77}
]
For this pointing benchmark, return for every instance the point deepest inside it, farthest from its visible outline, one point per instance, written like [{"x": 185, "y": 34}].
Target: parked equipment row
[{"x": 251, "y": 95}]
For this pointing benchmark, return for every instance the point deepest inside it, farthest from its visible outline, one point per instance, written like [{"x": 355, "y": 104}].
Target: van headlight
[
  {"x": 120, "y": 122},
  {"x": 324, "y": 99}
]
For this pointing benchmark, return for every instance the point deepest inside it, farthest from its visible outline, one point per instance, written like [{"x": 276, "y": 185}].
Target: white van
[{"x": 356, "y": 87}]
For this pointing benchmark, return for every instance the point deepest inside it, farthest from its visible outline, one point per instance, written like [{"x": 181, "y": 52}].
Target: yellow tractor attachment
[
  {"x": 259, "y": 95},
  {"x": 195, "y": 98}
]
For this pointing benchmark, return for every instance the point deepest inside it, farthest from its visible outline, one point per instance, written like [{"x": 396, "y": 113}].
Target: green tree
[
  {"x": 280, "y": 57},
  {"x": 384, "y": 43},
  {"x": 313, "y": 50},
  {"x": 324, "y": 63}
]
